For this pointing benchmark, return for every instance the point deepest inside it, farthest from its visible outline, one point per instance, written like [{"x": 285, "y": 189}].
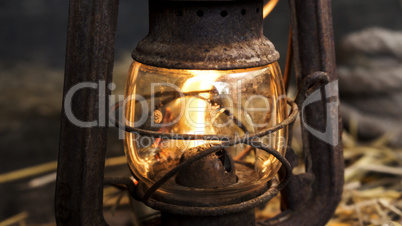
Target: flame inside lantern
[{"x": 213, "y": 102}]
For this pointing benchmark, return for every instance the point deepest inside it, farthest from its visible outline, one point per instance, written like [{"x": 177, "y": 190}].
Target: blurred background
[{"x": 368, "y": 39}]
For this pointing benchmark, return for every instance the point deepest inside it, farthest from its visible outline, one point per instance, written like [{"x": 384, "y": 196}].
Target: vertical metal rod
[
  {"x": 312, "y": 198},
  {"x": 89, "y": 61}
]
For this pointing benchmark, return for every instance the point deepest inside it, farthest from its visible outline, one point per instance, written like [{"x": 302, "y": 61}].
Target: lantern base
[
  {"x": 247, "y": 187},
  {"x": 245, "y": 218}
]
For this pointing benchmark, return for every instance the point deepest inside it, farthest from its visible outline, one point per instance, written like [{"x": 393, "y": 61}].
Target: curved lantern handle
[{"x": 319, "y": 190}]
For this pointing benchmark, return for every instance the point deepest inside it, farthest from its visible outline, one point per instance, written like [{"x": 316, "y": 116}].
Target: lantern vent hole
[
  {"x": 200, "y": 13},
  {"x": 243, "y": 12},
  {"x": 179, "y": 13},
  {"x": 224, "y": 158}
]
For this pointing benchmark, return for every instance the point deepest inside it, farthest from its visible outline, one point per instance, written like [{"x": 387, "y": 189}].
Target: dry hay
[
  {"x": 372, "y": 192},
  {"x": 373, "y": 184}
]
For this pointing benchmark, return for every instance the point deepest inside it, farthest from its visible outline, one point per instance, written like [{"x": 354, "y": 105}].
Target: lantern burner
[{"x": 214, "y": 171}]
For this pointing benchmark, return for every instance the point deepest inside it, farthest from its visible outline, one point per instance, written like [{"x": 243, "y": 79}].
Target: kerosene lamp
[
  {"x": 205, "y": 70},
  {"x": 205, "y": 115}
]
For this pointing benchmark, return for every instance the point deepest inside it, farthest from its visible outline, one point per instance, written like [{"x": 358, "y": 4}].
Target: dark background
[{"x": 32, "y": 51}]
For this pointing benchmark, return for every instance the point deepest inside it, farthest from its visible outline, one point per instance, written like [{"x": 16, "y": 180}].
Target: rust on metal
[
  {"x": 235, "y": 219},
  {"x": 219, "y": 210},
  {"x": 205, "y": 35},
  {"x": 187, "y": 34},
  {"x": 89, "y": 58},
  {"x": 158, "y": 199},
  {"x": 213, "y": 171},
  {"x": 318, "y": 190}
]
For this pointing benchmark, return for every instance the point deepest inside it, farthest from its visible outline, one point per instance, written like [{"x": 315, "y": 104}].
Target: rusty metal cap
[
  {"x": 213, "y": 171},
  {"x": 205, "y": 35}
]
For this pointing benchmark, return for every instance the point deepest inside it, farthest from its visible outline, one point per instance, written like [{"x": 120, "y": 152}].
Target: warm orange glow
[
  {"x": 196, "y": 116},
  {"x": 269, "y": 6},
  {"x": 221, "y": 102}
]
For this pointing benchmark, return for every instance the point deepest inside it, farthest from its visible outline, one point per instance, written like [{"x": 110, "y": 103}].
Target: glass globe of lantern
[{"x": 204, "y": 102}]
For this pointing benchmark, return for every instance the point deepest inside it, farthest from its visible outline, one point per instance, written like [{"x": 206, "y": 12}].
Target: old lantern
[{"x": 205, "y": 115}]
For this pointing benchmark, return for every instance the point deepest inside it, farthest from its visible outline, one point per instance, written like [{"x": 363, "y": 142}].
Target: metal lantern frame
[{"x": 89, "y": 58}]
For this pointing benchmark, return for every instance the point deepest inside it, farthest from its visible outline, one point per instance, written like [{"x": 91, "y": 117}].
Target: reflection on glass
[{"x": 224, "y": 102}]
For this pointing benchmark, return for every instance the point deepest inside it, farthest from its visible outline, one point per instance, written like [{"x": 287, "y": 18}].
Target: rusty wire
[
  {"x": 313, "y": 81},
  {"x": 143, "y": 132},
  {"x": 249, "y": 139}
]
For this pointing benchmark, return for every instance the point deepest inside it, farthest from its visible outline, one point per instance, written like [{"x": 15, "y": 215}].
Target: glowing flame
[
  {"x": 269, "y": 6},
  {"x": 195, "y": 114}
]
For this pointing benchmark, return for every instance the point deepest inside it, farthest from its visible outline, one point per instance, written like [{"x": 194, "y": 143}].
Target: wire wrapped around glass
[{"x": 214, "y": 102}]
